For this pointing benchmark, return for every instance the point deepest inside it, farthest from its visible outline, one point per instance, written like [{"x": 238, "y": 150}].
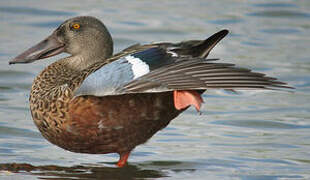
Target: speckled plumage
[{"x": 97, "y": 125}]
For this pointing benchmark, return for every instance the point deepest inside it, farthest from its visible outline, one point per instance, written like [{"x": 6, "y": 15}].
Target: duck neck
[
  {"x": 82, "y": 60},
  {"x": 79, "y": 62}
]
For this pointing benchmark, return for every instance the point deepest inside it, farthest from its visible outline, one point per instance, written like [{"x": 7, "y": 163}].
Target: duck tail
[
  {"x": 207, "y": 45},
  {"x": 200, "y": 48}
]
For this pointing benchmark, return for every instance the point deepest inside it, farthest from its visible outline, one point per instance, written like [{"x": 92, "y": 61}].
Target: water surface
[{"x": 248, "y": 135}]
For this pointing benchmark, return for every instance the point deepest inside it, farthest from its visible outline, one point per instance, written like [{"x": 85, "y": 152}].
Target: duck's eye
[{"x": 76, "y": 26}]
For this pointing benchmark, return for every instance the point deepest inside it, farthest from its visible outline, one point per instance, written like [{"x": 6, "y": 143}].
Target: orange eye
[{"x": 76, "y": 26}]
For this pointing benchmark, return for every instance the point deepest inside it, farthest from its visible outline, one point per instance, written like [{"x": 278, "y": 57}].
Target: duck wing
[
  {"x": 164, "y": 67},
  {"x": 195, "y": 48},
  {"x": 109, "y": 77},
  {"x": 189, "y": 74}
]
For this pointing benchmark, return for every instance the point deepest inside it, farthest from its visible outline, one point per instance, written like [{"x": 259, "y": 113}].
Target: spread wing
[
  {"x": 166, "y": 67},
  {"x": 110, "y": 78},
  {"x": 200, "y": 74},
  {"x": 138, "y": 60}
]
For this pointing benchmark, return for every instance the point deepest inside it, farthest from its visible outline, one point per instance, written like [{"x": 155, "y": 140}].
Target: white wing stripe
[
  {"x": 139, "y": 68},
  {"x": 109, "y": 78},
  {"x": 173, "y": 54}
]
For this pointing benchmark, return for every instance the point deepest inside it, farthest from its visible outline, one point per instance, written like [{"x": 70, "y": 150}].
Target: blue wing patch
[{"x": 154, "y": 57}]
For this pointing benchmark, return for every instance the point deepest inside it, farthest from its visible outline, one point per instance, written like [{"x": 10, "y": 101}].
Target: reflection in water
[{"x": 81, "y": 172}]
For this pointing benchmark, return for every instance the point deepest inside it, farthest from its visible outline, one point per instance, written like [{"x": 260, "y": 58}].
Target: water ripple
[
  {"x": 132, "y": 23},
  {"x": 6, "y": 132},
  {"x": 280, "y": 14},
  {"x": 277, "y": 161},
  {"x": 260, "y": 124},
  {"x": 280, "y": 31},
  {"x": 50, "y": 24},
  {"x": 34, "y": 11},
  {"x": 274, "y": 5},
  {"x": 226, "y": 21},
  {"x": 270, "y": 177}
]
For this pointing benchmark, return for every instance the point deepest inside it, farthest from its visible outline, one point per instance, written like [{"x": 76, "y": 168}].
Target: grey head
[{"x": 85, "y": 38}]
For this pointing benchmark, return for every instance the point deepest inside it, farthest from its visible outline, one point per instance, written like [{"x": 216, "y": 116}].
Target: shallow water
[{"x": 248, "y": 135}]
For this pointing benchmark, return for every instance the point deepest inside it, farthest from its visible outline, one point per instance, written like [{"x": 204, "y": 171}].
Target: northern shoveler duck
[{"x": 95, "y": 102}]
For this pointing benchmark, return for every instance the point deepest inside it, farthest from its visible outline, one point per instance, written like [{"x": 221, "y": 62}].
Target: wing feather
[
  {"x": 169, "y": 67},
  {"x": 200, "y": 74}
]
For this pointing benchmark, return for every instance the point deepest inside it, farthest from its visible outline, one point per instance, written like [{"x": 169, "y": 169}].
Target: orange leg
[
  {"x": 123, "y": 159},
  {"x": 185, "y": 98}
]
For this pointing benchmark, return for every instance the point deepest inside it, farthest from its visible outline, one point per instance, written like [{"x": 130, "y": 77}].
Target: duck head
[{"x": 84, "y": 37}]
